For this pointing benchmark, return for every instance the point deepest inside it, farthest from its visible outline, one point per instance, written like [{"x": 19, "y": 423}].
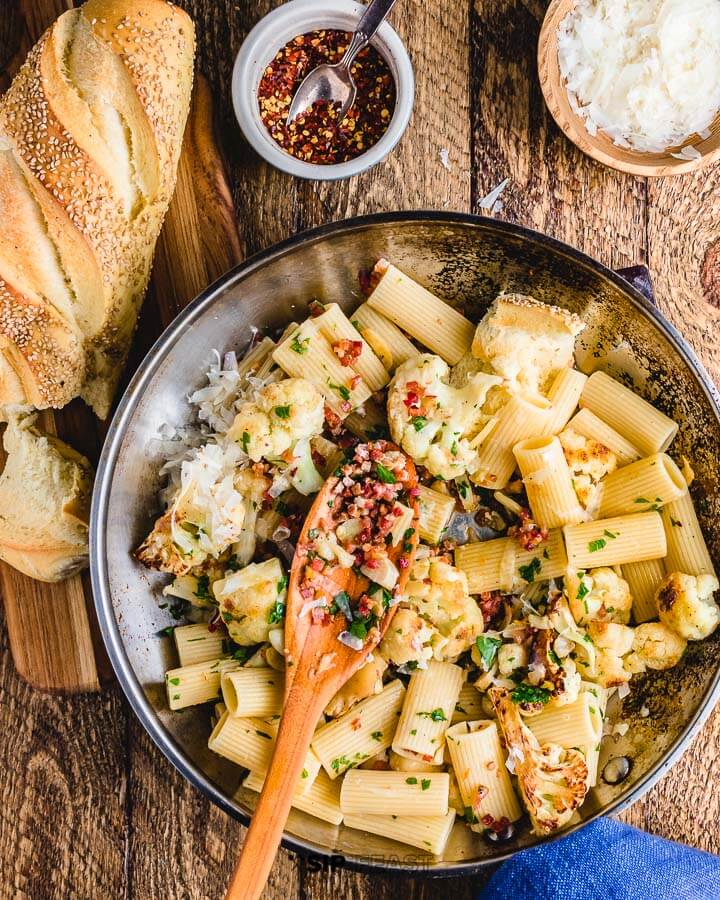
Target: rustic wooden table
[{"x": 90, "y": 809}]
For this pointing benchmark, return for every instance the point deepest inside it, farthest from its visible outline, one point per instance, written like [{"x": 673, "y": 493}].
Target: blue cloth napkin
[{"x": 604, "y": 861}]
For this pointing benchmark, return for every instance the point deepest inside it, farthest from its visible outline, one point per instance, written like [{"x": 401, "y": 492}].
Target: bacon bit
[
  {"x": 528, "y": 534},
  {"x": 427, "y": 757},
  {"x": 354, "y": 382},
  {"x": 403, "y": 562},
  {"x": 332, "y": 418},
  {"x": 412, "y": 401},
  {"x": 320, "y": 614},
  {"x": 315, "y": 308},
  {"x": 317, "y": 565},
  {"x": 347, "y": 351},
  {"x": 356, "y": 724},
  {"x": 490, "y": 603}
]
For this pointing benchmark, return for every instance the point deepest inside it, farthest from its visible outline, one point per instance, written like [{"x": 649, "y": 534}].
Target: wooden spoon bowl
[
  {"x": 599, "y": 146},
  {"x": 318, "y": 664}
]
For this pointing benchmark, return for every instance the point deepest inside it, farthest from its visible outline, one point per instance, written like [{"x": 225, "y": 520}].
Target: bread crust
[{"x": 93, "y": 125}]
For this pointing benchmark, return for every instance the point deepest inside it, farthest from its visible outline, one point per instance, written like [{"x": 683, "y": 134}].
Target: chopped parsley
[
  {"x": 532, "y": 569},
  {"x": 245, "y": 440},
  {"x": 594, "y": 546},
  {"x": 384, "y": 474},
  {"x": 418, "y": 422},
  {"x": 304, "y": 774},
  {"x": 298, "y": 344},
  {"x": 470, "y": 816},
  {"x": 282, "y": 412},
  {"x": 462, "y": 489},
  {"x": 341, "y": 603},
  {"x": 527, "y": 693},
  {"x": 202, "y": 591},
  {"x": 676, "y": 523},
  {"x": 376, "y": 735},
  {"x": 175, "y": 681},
  {"x": 340, "y": 762},
  {"x": 166, "y": 632},
  {"x": 583, "y": 590},
  {"x": 487, "y": 647},
  {"x": 282, "y": 584},
  {"x": 276, "y": 613},
  {"x": 437, "y": 715},
  {"x": 609, "y": 534},
  {"x": 263, "y": 734},
  {"x": 358, "y": 629},
  {"x": 425, "y": 783},
  {"x": 413, "y": 732},
  {"x": 454, "y": 448},
  {"x": 341, "y": 389},
  {"x": 411, "y": 780}
]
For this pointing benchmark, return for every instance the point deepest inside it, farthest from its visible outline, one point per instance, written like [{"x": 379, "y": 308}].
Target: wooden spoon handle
[{"x": 268, "y": 821}]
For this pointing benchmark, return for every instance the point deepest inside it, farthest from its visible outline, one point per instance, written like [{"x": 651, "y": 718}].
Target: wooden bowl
[{"x": 600, "y": 146}]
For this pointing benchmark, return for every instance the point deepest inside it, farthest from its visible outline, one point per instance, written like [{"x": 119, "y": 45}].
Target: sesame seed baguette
[{"x": 90, "y": 135}]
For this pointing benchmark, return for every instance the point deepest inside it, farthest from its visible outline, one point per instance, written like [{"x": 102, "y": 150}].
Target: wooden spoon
[{"x": 317, "y": 666}]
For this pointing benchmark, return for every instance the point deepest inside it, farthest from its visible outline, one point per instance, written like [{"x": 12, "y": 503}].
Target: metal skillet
[{"x": 467, "y": 261}]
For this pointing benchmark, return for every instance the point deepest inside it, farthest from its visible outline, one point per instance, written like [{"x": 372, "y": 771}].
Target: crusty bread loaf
[
  {"x": 45, "y": 491},
  {"x": 90, "y": 134}
]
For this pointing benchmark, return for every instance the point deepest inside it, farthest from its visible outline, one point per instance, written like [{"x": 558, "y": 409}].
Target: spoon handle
[{"x": 371, "y": 20}]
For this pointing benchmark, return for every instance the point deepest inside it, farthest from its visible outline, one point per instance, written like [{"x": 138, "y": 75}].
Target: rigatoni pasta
[
  {"x": 614, "y": 541},
  {"x": 197, "y": 644},
  {"x": 548, "y": 482},
  {"x": 687, "y": 550},
  {"x": 253, "y": 692},
  {"x": 479, "y": 765},
  {"x": 365, "y": 791},
  {"x": 335, "y": 326},
  {"x": 362, "y": 732},
  {"x": 488, "y": 565},
  {"x": 643, "y": 578},
  {"x": 321, "y": 799},
  {"x": 564, "y": 395},
  {"x": 427, "y": 710},
  {"x": 386, "y": 338},
  {"x": 634, "y": 418},
  {"x": 648, "y": 484},
  {"x": 429, "y": 833},
  {"x": 570, "y": 725},
  {"x": 421, "y": 314},
  {"x": 587, "y": 424},
  {"x": 435, "y": 512},
  {"x": 469, "y": 705},
  {"x": 196, "y": 683}
]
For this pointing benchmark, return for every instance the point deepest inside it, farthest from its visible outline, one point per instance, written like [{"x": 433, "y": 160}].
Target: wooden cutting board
[{"x": 52, "y": 629}]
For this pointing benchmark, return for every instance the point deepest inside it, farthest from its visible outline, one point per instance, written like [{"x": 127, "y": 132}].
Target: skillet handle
[{"x": 639, "y": 278}]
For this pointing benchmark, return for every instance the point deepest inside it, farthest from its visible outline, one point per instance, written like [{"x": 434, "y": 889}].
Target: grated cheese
[{"x": 646, "y": 72}]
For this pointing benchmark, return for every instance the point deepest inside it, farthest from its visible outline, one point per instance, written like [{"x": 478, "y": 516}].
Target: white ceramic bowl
[{"x": 273, "y": 32}]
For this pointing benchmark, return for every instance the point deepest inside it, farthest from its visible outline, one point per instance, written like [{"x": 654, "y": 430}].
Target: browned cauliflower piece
[
  {"x": 686, "y": 604},
  {"x": 589, "y": 462},
  {"x": 407, "y": 640},
  {"x": 438, "y": 592},
  {"x": 553, "y": 780},
  {"x": 158, "y": 551},
  {"x": 364, "y": 683},
  {"x": 655, "y": 646},
  {"x": 598, "y": 595}
]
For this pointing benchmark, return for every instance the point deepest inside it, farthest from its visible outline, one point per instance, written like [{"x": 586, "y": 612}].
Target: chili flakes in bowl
[{"x": 316, "y": 136}]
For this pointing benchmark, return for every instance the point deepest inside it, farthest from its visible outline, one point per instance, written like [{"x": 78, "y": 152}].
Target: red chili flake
[
  {"x": 316, "y": 136},
  {"x": 356, "y": 724},
  {"x": 347, "y": 351}
]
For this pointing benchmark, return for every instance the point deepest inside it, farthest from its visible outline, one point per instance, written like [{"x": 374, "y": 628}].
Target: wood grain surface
[{"x": 90, "y": 809}]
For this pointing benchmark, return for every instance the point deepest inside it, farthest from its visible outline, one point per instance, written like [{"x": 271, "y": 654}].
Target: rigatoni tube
[
  {"x": 612, "y": 542},
  {"x": 637, "y": 420},
  {"x": 429, "y": 833},
  {"x": 649, "y": 483},
  {"x": 687, "y": 550},
  {"x": 548, "y": 482},
  {"x": 643, "y": 579},
  {"x": 365, "y": 791},
  {"x": 478, "y": 761},
  {"x": 426, "y": 713},
  {"x": 253, "y": 692}
]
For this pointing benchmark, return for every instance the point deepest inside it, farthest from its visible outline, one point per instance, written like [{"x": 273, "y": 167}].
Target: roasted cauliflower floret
[
  {"x": 364, "y": 683},
  {"x": 552, "y": 780},
  {"x": 407, "y": 640},
  {"x": 159, "y": 552},
  {"x": 686, "y": 604},
  {"x": 589, "y": 462},
  {"x": 253, "y": 488},
  {"x": 282, "y": 414},
  {"x": 655, "y": 646},
  {"x": 598, "y": 595},
  {"x": 526, "y": 342},
  {"x": 439, "y": 593},
  {"x": 433, "y": 421},
  {"x": 252, "y": 601}
]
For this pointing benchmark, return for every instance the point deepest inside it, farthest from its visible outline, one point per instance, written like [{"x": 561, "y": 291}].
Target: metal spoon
[{"x": 334, "y": 83}]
